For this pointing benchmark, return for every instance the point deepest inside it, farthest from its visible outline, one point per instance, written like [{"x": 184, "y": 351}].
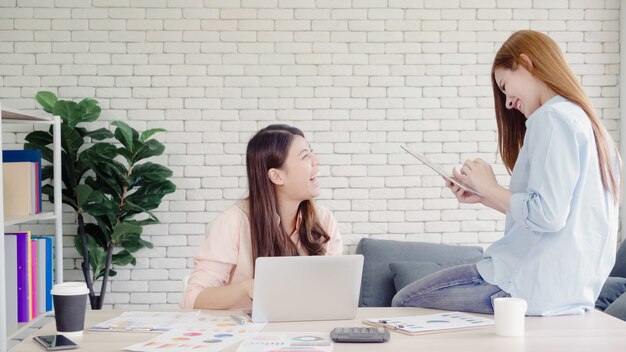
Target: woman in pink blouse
[{"x": 278, "y": 218}]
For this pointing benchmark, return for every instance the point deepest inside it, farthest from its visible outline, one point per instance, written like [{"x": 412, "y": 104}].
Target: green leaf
[
  {"x": 123, "y": 257},
  {"x": 47, "y": 100},
  {"x": 97, "y": 255},
  {"x": 47, "y": 172},
  {"x": 125, "y": 229},
  {"x": 83, "y": 193},
  {"x": 99, "y": 151},
  {"x": 150, "y": 171},
  {"x": 39, "y": 138},
  {"x": 70, "y": 112},
  {"x": 99, "y": 134},
  {"x": 124, "y": 134},
  {"x": 65, "y": 199},
  {"x": 98, "y": 234},
  {"x": 90, "y": 110},
  {"x": 106, "y": 208},
  {"x": 146, "y": 243},
  {"x": 149, "y": 196},
  {"x": 131, "y": 207},
  {"x": 71, "y": 141},
  {"x": 148, "y": 133},
  {"x": 149, "y": 149},
  {"x": 149, "y": 221},
  {"x": 131, "y": 243}
]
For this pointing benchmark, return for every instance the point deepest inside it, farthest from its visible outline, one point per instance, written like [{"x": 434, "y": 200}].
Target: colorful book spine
[
  {"x": 49, "y": 271},
  {"x": 23, "y": 273},
  {"x": 10, "y": 262},
  {"x": 41, "y": 275},
  {"x": 33, "y": 280}
]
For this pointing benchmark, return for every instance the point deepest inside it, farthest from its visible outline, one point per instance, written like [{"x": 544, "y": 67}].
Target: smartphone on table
[{"x": 55, "y": 342}]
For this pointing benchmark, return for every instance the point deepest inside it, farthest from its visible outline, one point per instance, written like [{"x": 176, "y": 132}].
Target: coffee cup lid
[{"x": 70, "y": 289}]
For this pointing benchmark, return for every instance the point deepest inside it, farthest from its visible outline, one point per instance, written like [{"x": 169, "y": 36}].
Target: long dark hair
[
  {"x": 549, "y": 65},
  {"x": 266, "y": 150}
]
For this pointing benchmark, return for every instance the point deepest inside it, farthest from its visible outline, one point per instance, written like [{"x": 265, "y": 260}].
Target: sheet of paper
[
  {"x": 150, "y": 321},
  {"x": 287, "y": 341},
  {"x": 432, "y": 322},
  {"x": 214, "y": 334}
]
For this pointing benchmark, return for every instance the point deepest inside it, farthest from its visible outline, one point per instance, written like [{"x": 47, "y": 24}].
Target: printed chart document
[
  {"x": 150, "y": 321},
  {"x": 287, "y": 341},
  {"x": 431, "y": 323},
  {"x": 211, "y": 333},
  {"x": 439, "y": 170}
]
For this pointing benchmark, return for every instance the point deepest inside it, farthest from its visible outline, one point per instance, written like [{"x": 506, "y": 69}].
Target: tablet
[{"x": 439, "y": 170}]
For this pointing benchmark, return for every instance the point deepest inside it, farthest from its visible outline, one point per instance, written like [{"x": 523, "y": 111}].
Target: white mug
[{"x": 509, "y": 314}]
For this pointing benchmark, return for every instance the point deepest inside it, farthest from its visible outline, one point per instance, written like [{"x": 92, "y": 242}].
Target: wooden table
[{"x": 594, "y": 331}]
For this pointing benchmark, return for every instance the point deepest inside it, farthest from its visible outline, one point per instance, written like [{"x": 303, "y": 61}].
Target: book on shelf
[
  {"x": 33, "y": 156},
  {"x": 23, "y": 268},
  {"x": 29, "y": 280},
  {"x": 44, "y": 272},
  {"x": 17, "y": 189},
  {"x": 10, "y": 267},
  {"x": 33, "y": 279},
  {"x": 22, "y": 182},
  {"x": 41, "y": 275}
]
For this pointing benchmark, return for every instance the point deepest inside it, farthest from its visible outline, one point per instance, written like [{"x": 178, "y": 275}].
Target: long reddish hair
[
  {"x": 268, "y": 149},
  {"x": 549, "y": 65}
]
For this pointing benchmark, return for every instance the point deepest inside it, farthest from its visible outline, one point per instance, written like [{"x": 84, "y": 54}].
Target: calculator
[{"x": 360, "y": 334}]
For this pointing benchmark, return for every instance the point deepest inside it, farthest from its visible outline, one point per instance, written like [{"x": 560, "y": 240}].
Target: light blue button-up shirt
[{"x": 561, "y": 230}]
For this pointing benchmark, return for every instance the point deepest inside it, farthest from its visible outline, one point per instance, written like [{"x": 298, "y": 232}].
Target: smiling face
[
  {"x": 297, "y": 177},
  {"x": 524, "y": 92}
]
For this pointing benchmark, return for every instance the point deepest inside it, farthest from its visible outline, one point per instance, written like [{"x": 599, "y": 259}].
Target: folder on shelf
[
  {"x": 46, "y": 283},
  {"x": 23, "y": 269},
  {"x": 33, "y": 156},
  {"x": 33, "y": 279},
  {"x": 10, "y": 268},
  {"x": 41, "y": 275},
  {"x": 17, "y": 189}
]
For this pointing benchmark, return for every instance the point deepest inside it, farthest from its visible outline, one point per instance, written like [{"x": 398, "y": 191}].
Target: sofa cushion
[
  {"x": 377, "y": 287},
  {"x": 405, "y": 273},
  {"x": 618, "y": 308},
  {"x": 620, "y": 261},
  {"x": 611, "y": 290}
]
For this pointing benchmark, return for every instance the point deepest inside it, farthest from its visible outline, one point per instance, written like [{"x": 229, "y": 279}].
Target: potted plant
[{"x": 109, "y": 181}]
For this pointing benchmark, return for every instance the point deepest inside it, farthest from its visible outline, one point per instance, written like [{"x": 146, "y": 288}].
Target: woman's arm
[
  {"x": 209, "y": 285},
  {"x": 225, "y": 296},
  {"x": 480, "y": 176}
]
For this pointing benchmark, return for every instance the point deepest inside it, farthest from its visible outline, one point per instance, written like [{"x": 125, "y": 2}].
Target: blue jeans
[{"x": 460, "y": 288}]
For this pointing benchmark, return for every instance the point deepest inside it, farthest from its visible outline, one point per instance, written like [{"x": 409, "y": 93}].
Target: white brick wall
[{"x": 359, "y": 77}]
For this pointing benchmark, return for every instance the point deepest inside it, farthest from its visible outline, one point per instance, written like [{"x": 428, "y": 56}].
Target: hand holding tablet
[{"x": 439, "y": 170}]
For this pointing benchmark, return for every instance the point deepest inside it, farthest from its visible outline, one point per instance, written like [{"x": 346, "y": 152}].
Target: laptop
[{"x": 305, "y": 288}]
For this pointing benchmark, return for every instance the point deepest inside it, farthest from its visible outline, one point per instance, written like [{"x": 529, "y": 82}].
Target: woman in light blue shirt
[{"x": 562, "y": 203}]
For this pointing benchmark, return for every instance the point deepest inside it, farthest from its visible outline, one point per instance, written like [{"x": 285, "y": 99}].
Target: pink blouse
[{"x": 225, "y": 255}]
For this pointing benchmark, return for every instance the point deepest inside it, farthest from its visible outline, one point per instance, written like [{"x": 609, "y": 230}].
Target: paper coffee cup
[
  {"x": 510, "y": 316},
  {"x": 70, "y": 304}
]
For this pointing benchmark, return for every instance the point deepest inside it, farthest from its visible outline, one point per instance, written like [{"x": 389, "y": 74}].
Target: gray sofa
[
  {"x": 390, "y": 265},
  {"x": 612, "y": 298}
]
